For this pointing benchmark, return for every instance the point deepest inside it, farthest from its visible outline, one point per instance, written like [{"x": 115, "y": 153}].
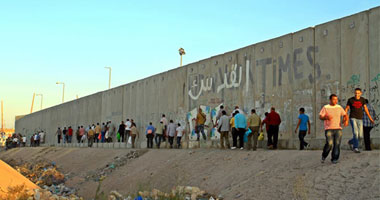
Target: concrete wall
[{"x": 296, "y": 70}]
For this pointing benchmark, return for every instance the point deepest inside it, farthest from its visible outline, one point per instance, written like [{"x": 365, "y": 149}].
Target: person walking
[
  {"x": 274, "y": 122},
  {"x": 159, "y": 134},
  {"x": 64, "y": 135},
  {"x": 128, "y": 126},
  {"x": 254, "y": 124},
  {"x": 171, "y": 132},
  {"x": 103, "y": 133},
  {"x": 70, "y": 134},
  {"x": 234, "y": 131},
  {"x": 356, "y": 105},
  {"x": 135, "y": 134},
  {"x": 200, "y": 124},
  {"x": 223, "y": 128},
  {"x": 367, "y": 126},
  {"x": 149, "y": 132},
  {"x": 179, "y": 133},
  {"x": 59, "y": 135},
  {"x": 98, "y": 130},
  {"x": 331, "y": 115},
  {"x": 304, "y": 127},
  {"x": 90, "y": 136},
  {"x": 122, "y": 131},
  {"x": 241, "y": 127}
]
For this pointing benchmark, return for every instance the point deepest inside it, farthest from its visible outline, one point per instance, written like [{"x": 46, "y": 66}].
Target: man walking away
[
  {"x": 367, "y": 126},
  {"x": 303, "y": 124},
  {"x": 103, "y": 133},
  {"x": 356, "y": 105},
  {"x": 90, "y": 136},
  {"x": 134, "y": 134},
  {"x": 122, "y": 131},
  {"x": 241, "y": 127},
  {"x": 254, "y": 123},
  {"x": 81, "y": 133},
  {"x": 201, "y": 119},
  {"x": 98, "y": 130},
  {"x": 128, "y": 126},
  {"x": 149, "y": 132},
  {"x": 234, "y": 131},
  {"x": 331, "y": 115},
  {"x": 70, "y": 134},
  {"x": 274, "y": 122},
  {"x": 171, "y": 133},
  {"x": 64, "y": 134},
  {"x": 165, "y": 122},
  {"x": 159, "y": 134},
  {"x": 59, "y": 135},
  {"x": 179, "y": 132},
  {"x": 77, "y": 134},
  {"x": 223, "y": 128}
]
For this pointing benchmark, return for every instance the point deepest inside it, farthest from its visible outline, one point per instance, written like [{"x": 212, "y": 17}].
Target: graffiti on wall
[{"x": 233, "y": 76}]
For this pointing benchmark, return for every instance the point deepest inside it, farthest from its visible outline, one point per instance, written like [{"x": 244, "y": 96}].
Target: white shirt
[
  {"x": 128, "y": 125},
  {"x": 42, "y": 134},
  {"x": 35, "y": 137},
  {"x": 24, "y": 139},
  {"x": 180, "y": 131},
  {"x": 164, "y": 121}
]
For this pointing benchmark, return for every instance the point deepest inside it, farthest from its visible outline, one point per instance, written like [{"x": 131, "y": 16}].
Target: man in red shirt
[
  {"x": 70, "y": 134},
  {"x": 274, "y": 122}
]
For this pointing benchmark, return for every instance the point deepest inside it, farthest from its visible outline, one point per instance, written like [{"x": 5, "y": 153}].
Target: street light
[
  {"x": 42, "y": 98},
  {"x": 181, "y": 52},
  {"x": 109, "y": 80},
  {"x": 63, "y": 93}
]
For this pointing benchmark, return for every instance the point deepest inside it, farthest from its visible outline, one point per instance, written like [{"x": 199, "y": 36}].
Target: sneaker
[
  {"x": 334, "y": 161},
  {"x": 233, "y": 148},
  {"x": 356, "y": 150},
  {"x": 307, "y": 146},
  {"x": 323, "y": 160},
  {"x": 350, "y": 145},
  {"x": 241, "y": 148}
]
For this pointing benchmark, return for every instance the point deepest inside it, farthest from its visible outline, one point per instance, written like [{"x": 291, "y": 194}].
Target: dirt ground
[{"x": 235, "y": 174}]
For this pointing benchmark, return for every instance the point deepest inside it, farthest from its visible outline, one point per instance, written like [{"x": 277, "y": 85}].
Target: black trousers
[
  {"x": 241, "y": 132},
  {"x": 171, "y": 140},
  {"x": 367, "y": 137},
  {"x": 234, "y": 137},
  {"x": 149, "y": 140},
  {"x": 273, "y": 135},
  {"x": 59, "y": 139},
  {"x": 301, "y": 136}
]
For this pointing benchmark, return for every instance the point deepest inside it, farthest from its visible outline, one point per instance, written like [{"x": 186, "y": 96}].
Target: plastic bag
[
  {"x": 129, "y": 140},
  {"x": 261, "y": 136},
  {"x": 106, "y": 135},
  {"x": 246, "y": 135},
  {"x": 118, "y": 136}
]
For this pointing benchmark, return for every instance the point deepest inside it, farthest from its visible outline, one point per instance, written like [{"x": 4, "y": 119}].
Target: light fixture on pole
[
  {"x": 109, "y": 80},
  {"x": 63, "y": 90},
  {"x": 42, "y": 98},
  {"x": 181, "y": 53}
]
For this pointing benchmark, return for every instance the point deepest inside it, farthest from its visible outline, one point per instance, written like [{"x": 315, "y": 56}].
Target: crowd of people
[
  {"x": 18, "y": 140},
  {"x": 358, "y": 112}
]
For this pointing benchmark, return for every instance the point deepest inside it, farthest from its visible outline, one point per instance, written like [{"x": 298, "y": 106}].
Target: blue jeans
[
  {"x": 201, "y": 129},
  {"x": 357, "y": 131},
  {"x": 333, "y": 139},
  {"x": 103, "y": 137}
]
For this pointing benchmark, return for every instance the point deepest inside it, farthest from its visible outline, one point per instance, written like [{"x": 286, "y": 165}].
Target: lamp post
[
  {"x": 109, "y": 80},
  {"x": 181, "y": 53},
  {"x": 42, "y": 98},
  {"x": 63, "y": 90}
]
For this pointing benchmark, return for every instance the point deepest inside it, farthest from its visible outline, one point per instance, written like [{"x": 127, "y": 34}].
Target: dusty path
[{"x": 282, "y": 174}]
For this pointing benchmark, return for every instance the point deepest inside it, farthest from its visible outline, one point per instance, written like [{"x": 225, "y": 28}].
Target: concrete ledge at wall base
[{"x": 315, "y": 144}]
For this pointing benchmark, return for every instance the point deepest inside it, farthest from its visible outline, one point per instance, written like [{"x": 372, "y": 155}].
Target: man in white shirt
[
  {"x": 179, "y": 132},
  {"x": 128, "y": 125}
]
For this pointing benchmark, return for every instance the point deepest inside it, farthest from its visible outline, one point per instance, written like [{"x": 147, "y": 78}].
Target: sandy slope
[{"x": 237, "y": 174}]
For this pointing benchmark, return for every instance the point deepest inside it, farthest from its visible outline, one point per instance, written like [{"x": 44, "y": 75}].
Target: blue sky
[{"x": 42, "y": 42}]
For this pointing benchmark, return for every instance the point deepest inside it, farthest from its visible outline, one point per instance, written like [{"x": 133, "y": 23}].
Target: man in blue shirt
[
  {"x": 241, "y": 127},
  {"x": 150, "y": 134},
  {"x": 303, "y": 124}
]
